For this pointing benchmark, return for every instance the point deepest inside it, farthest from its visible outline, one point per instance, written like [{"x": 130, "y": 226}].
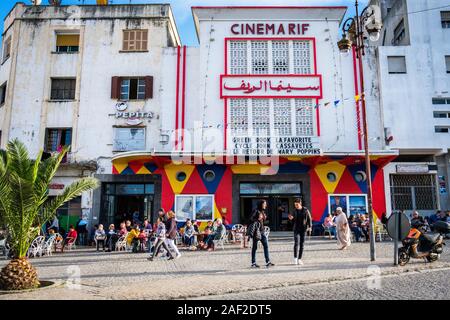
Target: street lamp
[{"x": 354, "y": 36}]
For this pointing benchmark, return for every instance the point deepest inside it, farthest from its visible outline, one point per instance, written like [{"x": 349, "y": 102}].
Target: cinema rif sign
[{"x": 271, "y": 86}]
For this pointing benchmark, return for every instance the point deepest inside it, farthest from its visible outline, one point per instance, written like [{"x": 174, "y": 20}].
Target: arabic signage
[
  {"x": 271, "y": 86},
  {"x": 419, "y": 168},
  {"x": 276, "y": 146},
  {"x": 132, "y": 118}
]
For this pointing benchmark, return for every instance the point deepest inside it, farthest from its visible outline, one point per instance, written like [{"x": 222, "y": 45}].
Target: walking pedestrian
[
  {"x": 160, "y": 236},
  {"x": 343, "y": 229},
  {"x": 257, "y": 233},
  {"x": 302, "y": 223},
  {"x": 171, "y": 226}
]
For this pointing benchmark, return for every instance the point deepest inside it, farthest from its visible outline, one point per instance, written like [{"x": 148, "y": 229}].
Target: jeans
[
  {"x": 357, "y": 231},
  {"x": 189, "y": 241},
  {"x": 98, "y": 244},
  {"x": 299, "y": 241},
  {"x": 265, "y": 246}
]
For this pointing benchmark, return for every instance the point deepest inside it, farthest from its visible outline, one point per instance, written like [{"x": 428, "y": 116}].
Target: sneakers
[
  {"x": 295, "y": 261},
  {"x": 254, "y": 265},
  {"x": 178, "y": 256},
  {"x": 171, "y": 258},
  {"x": 269, "y": 264},
  {"x": 300, "y": 262},
  {"x": 150, "y": 259}
]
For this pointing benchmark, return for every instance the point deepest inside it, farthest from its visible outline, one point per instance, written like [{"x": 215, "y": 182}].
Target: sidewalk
[{"x": 195, "y": 274}]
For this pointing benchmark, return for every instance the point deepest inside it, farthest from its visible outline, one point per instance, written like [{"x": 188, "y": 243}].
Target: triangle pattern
[
  {"x": 322, "y": 171},
  {"x": 151, "y": 166},
  {"x": 195, "y": 185},
  {"x": 218, "y": 171},
  {"x": 347, "y": 184},
  {"x": 172, "y": 170}
]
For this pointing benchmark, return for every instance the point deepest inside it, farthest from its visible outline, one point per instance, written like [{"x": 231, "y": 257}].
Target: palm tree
[{"x": 25, "y": 206}]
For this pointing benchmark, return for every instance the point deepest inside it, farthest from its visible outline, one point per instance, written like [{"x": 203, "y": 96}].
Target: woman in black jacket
[{"x": 257, "y": 233}]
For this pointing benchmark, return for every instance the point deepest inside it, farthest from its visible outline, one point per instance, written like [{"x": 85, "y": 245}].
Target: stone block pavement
[{"x": 124, "y": 275}]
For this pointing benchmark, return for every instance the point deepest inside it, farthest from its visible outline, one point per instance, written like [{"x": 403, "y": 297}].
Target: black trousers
[{"x": 299, "y": 241}]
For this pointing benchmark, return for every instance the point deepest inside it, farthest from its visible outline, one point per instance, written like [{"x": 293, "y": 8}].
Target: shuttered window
[
  {"x": 397, "y": 65},
  {"x": 7, "y": 49},
  {"x": 445, "y": 19},
  {"x": 132, "y": 88},
  {"x": 135, "y": 40},
  {"x": 67, "y": 42},
  {"x": 63, "y": 89}
]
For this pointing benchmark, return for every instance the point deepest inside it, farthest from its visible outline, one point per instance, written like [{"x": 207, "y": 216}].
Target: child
[{"x": 161, "y": 237}]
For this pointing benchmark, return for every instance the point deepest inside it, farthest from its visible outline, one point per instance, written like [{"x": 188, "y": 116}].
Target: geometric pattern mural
[{"x": 318, "y": 169}]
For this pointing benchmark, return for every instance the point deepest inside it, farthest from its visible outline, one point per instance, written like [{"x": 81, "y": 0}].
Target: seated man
[
  {"x": 219, "y": 231},
  {"x": 206, "y": 235}
]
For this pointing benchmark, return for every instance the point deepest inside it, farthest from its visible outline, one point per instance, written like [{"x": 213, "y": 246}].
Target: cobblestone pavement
[{"x": 121, "y": 275}]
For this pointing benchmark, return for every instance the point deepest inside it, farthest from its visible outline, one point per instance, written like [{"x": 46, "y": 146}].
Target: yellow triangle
[
  {"x": 120, "y": 166},
  {"x": 322, "y": 171},
  {"x": 172, "y": 170},
  {"x": 143, "y": 170}
]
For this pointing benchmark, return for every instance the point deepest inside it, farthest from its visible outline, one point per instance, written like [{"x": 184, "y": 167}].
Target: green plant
[{"x": 25, "y": 206}]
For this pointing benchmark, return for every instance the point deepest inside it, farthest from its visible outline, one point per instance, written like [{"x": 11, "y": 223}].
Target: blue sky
[{"x": 182, "y": 10}]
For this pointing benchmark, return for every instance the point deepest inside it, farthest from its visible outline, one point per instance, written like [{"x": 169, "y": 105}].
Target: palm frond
[{"x": 70, "y": 192}]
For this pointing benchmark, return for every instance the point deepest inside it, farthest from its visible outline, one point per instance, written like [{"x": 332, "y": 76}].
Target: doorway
[{"x": 278, "y": 209}]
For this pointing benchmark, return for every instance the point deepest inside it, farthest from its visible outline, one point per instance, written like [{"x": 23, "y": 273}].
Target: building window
[
  {"x": 302, "y": 57},
  {"x": 194, "y": 207},
  {"x": 209, "y": 175},
  {"x": 63, "y": 89},
  {"x": 3, "y": 94},
  {"x": 67, "y": 42},
  {"x": 304, "y": 118},
  {"x": 331, "y": 176},
  {"x": 441, "y": 101},
  {"x": 445, "y": 19},
  {"x": 135, "y": 40},
  {"x": 56, "y": 138},
  {"x": 282, "y": 116},
  {"x": 261, "y": 117},
  {"x": 442, "y": 129},
  {"x": 181, "y": 176},
  {"x": 238, "y": 57},
  {"x": 447, "y": 63},
  {"x": 129, "y": 139},
  {"x": 239, "y": 117},
  {"x": 441, "y": 114},
  {"x": 350, "y": 204},
  {"x": 413, "y": 192},
  {"x": 272, "y": 117},
  {"x": 280, "y": 57},
  {"x": 260, "y": 57},
  {"x": 132, "y": 89},
  {"x": 399, "y": 33},
  {"x": 397, "y": 65},
  {"x": 6, "y": 49}
]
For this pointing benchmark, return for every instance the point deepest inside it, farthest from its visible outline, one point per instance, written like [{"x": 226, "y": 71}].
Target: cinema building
[{"x": 264, "y": 108}]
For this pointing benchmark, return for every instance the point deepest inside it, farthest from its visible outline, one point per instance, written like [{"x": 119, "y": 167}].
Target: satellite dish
[{"x": 36, "y": 2}]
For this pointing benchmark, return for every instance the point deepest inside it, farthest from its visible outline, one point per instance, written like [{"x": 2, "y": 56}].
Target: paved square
[{"x": 216, "y": 275}]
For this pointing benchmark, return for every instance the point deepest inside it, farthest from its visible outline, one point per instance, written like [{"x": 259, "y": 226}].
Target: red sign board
[{"x": 271, "y": 86}]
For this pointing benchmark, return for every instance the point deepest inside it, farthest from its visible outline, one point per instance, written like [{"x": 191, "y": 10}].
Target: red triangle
[
  {"x": 379, "y": 200},
  {"x": 224, "y": 196},
  {"x": 135, "y": 165},
  {"x": 167, "y": 196},
  {"x": 195, "y": 184},
  {"x": 319, "y": 197},
  {"x": 347, "y": 184}
]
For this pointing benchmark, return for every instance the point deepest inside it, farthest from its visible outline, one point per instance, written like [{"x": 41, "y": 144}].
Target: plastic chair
[
  {"x": 47, "y": 246},
  {"x": 35, "y": 249},
  {"x": 121, "y": 244},
  {"x": 221, "y": 241},
  {"x": 327, "y": 230}
]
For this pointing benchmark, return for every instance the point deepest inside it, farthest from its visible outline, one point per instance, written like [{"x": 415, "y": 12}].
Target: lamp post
[{"x": 354, "y": 36}]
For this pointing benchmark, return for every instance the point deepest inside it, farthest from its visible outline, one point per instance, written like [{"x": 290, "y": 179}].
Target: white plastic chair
[
  {"x": 36, "y": 247},
  {"x": 47, "y": 246},
  {"x": 238, "y": 232},
  {"x": 121, "y": 244},
  {"x": 221, "y": 241},
  {"x": 3, "y": 247}
]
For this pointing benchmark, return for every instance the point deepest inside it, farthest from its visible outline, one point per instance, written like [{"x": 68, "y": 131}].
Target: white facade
[
  {"x": 29, "y": 109},
  {"x": 413, "y": 30}
]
